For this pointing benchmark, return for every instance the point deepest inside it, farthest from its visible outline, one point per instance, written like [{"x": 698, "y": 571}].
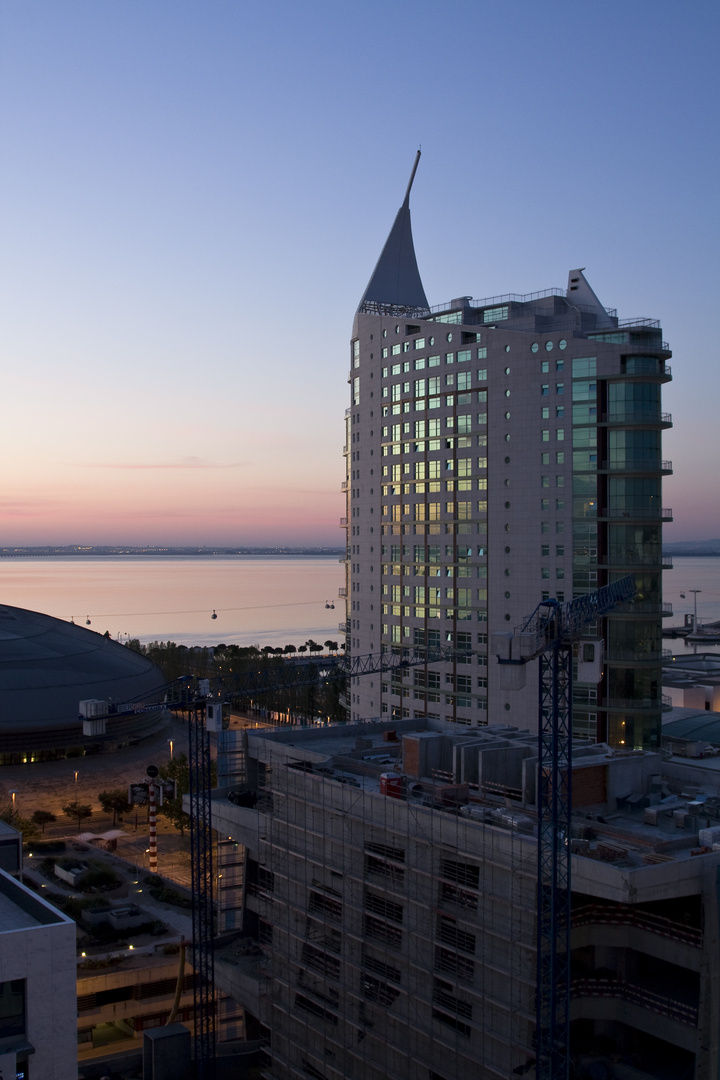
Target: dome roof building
[{"x": 47, "y": 667}]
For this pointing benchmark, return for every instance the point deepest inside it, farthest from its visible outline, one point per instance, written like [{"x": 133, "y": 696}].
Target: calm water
[
  {"x": 258, "y": 600},
  {"x": 692, "y": 573}
]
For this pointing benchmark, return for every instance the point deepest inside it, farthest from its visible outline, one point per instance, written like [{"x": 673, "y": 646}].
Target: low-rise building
[
  {"x": 37, "y": 986},
  {"x": 388, "y": 906}
]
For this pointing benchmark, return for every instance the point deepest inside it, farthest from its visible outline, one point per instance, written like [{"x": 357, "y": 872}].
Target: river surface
[
  {"x": 264, "y": 600},
  {"x": 690, "y": 572},
  {"x": 259, "y": 600}
]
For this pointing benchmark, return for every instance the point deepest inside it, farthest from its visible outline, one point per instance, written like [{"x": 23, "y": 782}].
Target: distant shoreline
[{"x": 161, "y": 552}]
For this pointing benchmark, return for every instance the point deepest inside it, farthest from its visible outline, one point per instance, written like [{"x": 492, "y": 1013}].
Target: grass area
[{"x": 164, "y": 894}]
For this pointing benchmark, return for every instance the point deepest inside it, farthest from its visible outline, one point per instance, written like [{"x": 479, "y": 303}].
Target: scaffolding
[{"x": 399, "y": 934}]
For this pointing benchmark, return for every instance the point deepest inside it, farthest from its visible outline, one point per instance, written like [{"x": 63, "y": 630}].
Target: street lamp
[
  {"x": 171, "y": 748},
  {"x": 13, "y": 793},
  {"x": 76, "y": 776}
]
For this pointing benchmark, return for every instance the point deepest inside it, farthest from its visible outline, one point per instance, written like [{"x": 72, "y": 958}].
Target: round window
[
  {"x": 448, "y": 337},
  {"x": 507, "y": 348},
  {"x": 534, "y": 347},
  {"x": 548, "y": 346},
  {"x": 562, "y": 344}
]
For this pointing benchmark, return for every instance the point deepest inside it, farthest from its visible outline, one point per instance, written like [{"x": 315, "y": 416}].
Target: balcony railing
[
  {"x": 342, "y": 591},
  {"x": 343, "y": 523},
  {"x": 624, "y": 555},
  {"x": 636, "y": 656},
  {"x": 662, "y": 703},
  {"x": 344, "y": 485},
  {"x": 647, "y": 465},
  {"x": 636, "y": 513},
  {"x": 637, "y": 995},
  {"x": 610, "y": 915},
  {"x": 644, "y": 607},
  {"x": 662, "y": 419}
]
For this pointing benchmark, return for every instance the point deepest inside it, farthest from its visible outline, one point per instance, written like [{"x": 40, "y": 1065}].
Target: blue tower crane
[{"x": 550, "y": 633}]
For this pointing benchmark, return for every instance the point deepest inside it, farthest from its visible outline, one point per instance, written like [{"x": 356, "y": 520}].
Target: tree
[
  {"x": 77, "y": 812},
  {"x": 43, "y": 818},
  {"x": 179, "y": 770},
  {"x": 289, "y": 649},
  {"x": 313, "y": 646},
  {"x": 114, "y": 802},
  {"x": 26, "y": 826}
]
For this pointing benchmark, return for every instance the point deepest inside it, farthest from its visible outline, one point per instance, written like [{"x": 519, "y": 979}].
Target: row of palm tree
[{"x": 310, "y": 646}]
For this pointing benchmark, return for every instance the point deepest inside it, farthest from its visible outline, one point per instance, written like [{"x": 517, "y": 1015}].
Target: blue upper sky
[{"x": 194, "y": 196}]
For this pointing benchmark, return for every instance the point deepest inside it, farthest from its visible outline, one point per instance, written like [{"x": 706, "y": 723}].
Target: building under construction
[{"x": 383, "y": 900}]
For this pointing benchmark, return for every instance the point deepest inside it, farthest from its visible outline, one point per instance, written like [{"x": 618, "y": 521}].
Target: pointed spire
[{"x": 395, "y": 282}]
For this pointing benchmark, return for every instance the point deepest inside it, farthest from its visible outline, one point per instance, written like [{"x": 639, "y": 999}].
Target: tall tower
[{"x": 499, "y": 452}]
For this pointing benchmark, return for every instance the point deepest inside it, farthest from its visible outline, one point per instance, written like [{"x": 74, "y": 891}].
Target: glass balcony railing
[
  {"x": 634, "y": 465},
  {"x": 639, "y": 704}
]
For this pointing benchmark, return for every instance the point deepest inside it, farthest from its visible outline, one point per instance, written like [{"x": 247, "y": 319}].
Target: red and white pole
[{"x": 152, "y": 795}]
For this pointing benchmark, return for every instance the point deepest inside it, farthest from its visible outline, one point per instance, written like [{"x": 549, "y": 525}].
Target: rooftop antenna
[{"x": 412, "y": 176}]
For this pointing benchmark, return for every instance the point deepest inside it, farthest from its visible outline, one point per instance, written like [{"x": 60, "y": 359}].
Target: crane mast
[{"x": 550, "y": 634}]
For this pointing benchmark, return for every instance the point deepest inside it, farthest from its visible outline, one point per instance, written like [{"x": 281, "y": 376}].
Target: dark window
[
  {"x": 381, "y": 906},
  {"x": 394, "y": 874},
  {"x": 310, "y": 1006},
  {"x": 325, "y": 905},
  {"x": 449, "y": 933},
  {"x": 380, "y": 967},
  {"x": 382, "y": 931},
  {"x": 460, "y": 872},
  {"x": 443, "y": 994},
  {"x": 12, "y": 1008},
  {"x": 379, "y": 992},
  {"x": 452, "y": 1022},
  {"x": 452, "y": 895},
  {"x": 320, "y": 961},
  {"x": 454, "y": 964}
]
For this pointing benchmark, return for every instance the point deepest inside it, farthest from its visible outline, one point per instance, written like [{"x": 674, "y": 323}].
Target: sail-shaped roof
[{"x": 395, "y": 284}]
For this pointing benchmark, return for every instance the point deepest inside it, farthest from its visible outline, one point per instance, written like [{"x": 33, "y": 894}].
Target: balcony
[
  {"x": 636, "y": 656},
  {"x": 343, "y": 628},
  {"x": 662, "y": 704},
  {"x": 342, "y": 592},
  {"x": 617, "y": 915},
  {"x": 621, "y": 555},
  {"x": 343, "y": 523},
  {"x": 615, "y": 987},
  {"x": 644, "y": 607},
  {"x": 638, "y": 419},
  {"x": 635, "y": 513},
  {"x": 639, "y": 465},
  {"x": 344, "y": 485}
]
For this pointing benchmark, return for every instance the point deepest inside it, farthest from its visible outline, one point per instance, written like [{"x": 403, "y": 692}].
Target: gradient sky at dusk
[{"x": 194, "y": 196}]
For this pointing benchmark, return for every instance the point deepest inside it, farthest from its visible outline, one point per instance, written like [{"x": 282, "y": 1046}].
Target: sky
[{"x": 193, "y": 196}]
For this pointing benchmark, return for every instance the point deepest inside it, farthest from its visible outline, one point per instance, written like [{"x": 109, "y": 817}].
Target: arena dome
[{"x": 47, "y": 667}]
